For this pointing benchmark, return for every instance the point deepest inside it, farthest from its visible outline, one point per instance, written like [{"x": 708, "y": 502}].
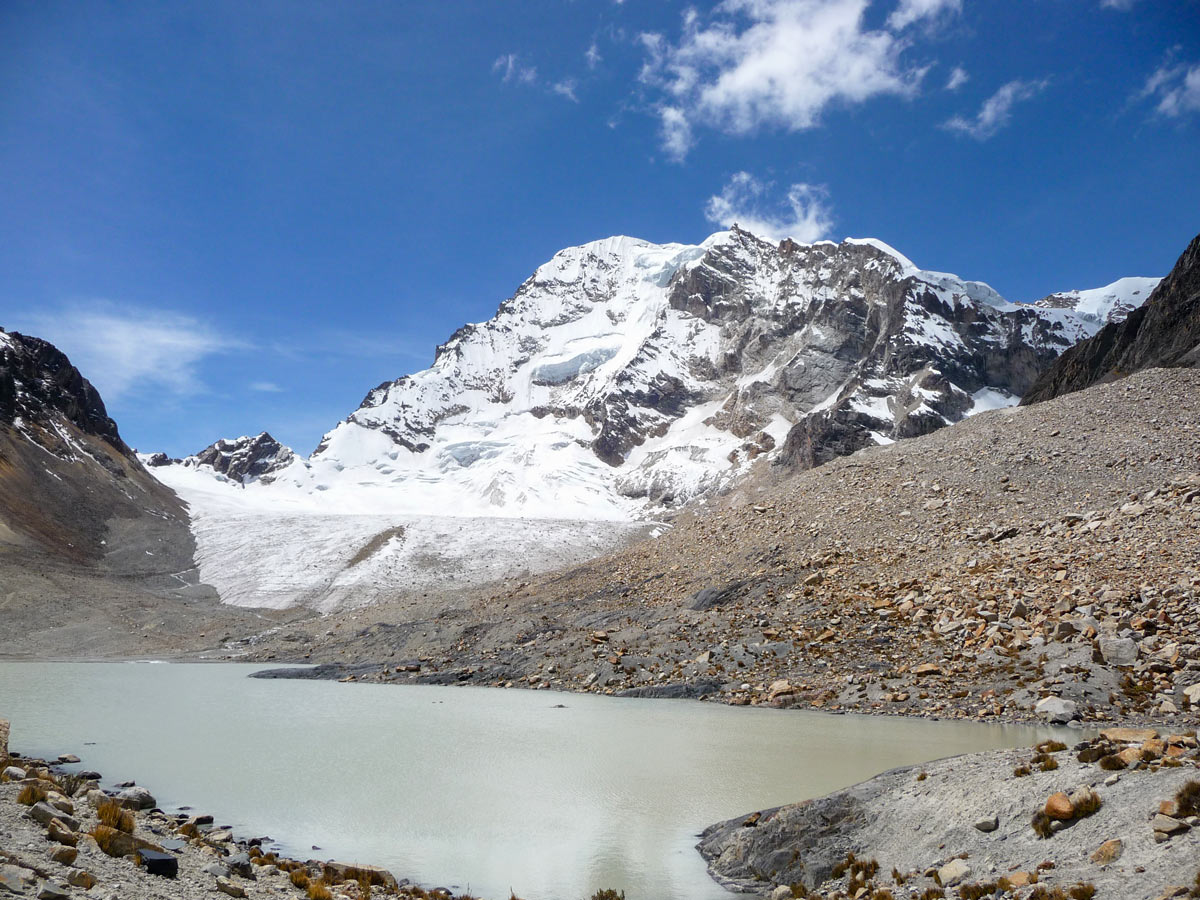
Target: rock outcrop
[{"x": 1165, "y": 331}]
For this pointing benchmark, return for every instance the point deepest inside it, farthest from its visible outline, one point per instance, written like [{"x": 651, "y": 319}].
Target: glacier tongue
[{"x": 625, "y": 377}]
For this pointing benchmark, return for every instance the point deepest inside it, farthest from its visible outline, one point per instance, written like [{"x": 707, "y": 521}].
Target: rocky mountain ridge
[
  {"x": 1165, "y": 331},
  {"x": 625, "y": 374}
]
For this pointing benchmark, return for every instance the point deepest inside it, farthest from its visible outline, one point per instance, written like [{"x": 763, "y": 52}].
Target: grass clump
[
  {"x": 932, "y": 893},
  {"x": 1187, "y": 800},
  {"x": 114, "y": 815},
  {"x": 1082, "y": 891},
  {"x": 1087, "y": 805},
  {"x": 1021, "y": 771},
  {"x": 608, "y": 894},
  {"x": 1049, "y": 764},
  {"x": 1041, "y": 825},
  {"x": 977, "y": 891},
  {"x": 299, "y": 878},
  {"x": 1050, "y": 747},
  {"x": 32, "y": 793},
  {"x": 1112, "y": 763},
  {"x": 319, "y": 890}
]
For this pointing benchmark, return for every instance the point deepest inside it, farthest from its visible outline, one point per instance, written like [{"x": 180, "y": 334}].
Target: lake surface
[{"x": 462, "y": 787}]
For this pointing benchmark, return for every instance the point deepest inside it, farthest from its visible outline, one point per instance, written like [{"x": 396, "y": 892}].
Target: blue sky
[{"x": 237, "y": 217}]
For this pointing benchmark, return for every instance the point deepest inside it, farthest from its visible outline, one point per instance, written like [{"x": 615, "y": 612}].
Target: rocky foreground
[
  {"x": 1117, "y": 816},
  {"x": 62, "y": 836},
  {"x": 1038, "y": 562}
]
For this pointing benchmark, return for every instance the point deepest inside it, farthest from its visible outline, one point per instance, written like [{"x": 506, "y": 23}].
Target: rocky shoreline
[
  {"x": 63, "y": 836},
  {"x": 1117, "y": 816}
]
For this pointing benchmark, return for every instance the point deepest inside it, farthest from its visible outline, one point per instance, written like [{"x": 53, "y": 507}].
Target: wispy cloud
[
  {"x": 776, "y": 63},
  {"x": 804, "y": 213},
  {"x": 125, "y": 350},
  {"x": 266, "y": 387},
  {"x": 1176, "y": 88},
  {"x": 592, "y": 56},
  {"x": 1123, "y": 5},
  {"x": 510, "y": 68},
  {"x": 909, "y": 12},
  {"x": 565, "y": 88},
  {"x": 958, "y": 77},
  {"x": 996, "y": 110}
]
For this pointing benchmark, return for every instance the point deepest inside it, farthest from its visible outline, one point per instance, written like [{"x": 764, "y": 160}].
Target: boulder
[
  {"x": 953, "y": 872},
  {"x": 927, "y": 669},
  {"x": 1166, "y": 825},
  {"x": 52, "y": 890},
  {"x": 1192, "y": 694},
  {"x": 1119, "y": 651},
  {"x": 1129, "y": 735},
  {"x": 12, "y": 773},
  {"x": 68, "y": 758},
  {"x": 239, "y": 864},
  {"x": 341, "y": 871},
  {"x": 81, "y": 879},
  {"x": 1059, "y": 807},
  {"x": 782, "y": 892},
  {"x": 137, "y": 798},
  {"x": 991, "y": 823},
  {"x": 15, "y": 879},
  {"x": 1056, "y": 710},
  {"x": 43, "y": 813}
]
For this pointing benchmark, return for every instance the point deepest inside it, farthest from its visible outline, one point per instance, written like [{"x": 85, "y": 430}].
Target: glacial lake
[{"x": 473, "y": 788}]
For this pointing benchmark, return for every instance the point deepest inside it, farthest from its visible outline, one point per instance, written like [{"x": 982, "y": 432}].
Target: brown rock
[
  {"x": 1108, "y": 852},
  {"x": 1131, "y": 756},
  {"x": 63, "y": 854},
  {"x": 60, "y": 833},
  {"x": 4, "y": 727},
  {"x": 1020, "y": 879},
  {"x": 927, "y": 669},
  {"x": 1129, "y": 735},
  {"x": 780, "y": 688},
  {"x": 1167, "y": 825},
  {"x": 1059, "y": 807},
  {"x": 81, "y": 879},
  {"x": 225, "y": 886}
]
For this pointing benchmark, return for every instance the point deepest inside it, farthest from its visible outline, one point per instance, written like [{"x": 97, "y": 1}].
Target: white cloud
[
  {"x": 592, "y": 55},
  {"x": 1177, "y": 89},
  {"x": 511, "y": 68},
  {"x": 124, "y": 350},
  {"x": 776, "y": 63},
  {"x": 912, "y": 11},
  {"x": 565, "y": 88},
  {"x": 996, "y": 109},
  {"x": 957, "y": 78},
  {"x": 1124, "y": 5},
  {"x": 266, "y": 387},
  {"x": 804, "y": 215}
]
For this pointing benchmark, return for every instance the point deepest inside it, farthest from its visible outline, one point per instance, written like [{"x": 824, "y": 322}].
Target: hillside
[
  {"x": 1044, "y": 551},
  {"x": 96, "y": 556}
]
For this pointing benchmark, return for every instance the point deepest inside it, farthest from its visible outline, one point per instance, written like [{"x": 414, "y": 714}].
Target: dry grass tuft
[
  {"x": 1112, "y": 763},
  {"x": 109, "y": 839},
  {"x": 1187, "y": 800},
  {"x": 319, "y": 890},
  {"x": 114, "y": 815},
  {"x": 299, "y": 878},
  {"x": 32, "y": 793}
]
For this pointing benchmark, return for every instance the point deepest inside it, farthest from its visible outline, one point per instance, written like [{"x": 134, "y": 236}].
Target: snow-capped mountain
[
  {"x": 623, "y": 378},
  {"x": 624, "y": 372}
]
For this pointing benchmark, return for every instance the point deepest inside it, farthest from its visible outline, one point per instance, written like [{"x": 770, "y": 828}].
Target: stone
[
  {"x": 239, "y": 864},
  {"x": 158, "y": 863},
  {"x": 68, "y": 758},
  {"x": 1020, "y": 879},
  {"x": 4, "y": 731},
  {"x": 12, "y": 773},
  {"x": 81, "y": 879},
  {"x": 1129, "y": 735},
  {"x": 1131, "y": 756},
  {"x": 782, "y": 892},
  {"x": 1056, "y": 710},
  {"x": 137, "y": 798},
  {"x": 65, "y": 855},
  {"x": 936, "y": 503},
  {"x": 15, "y": 879},
  {"x": 1108, "y": 852},
  {"x": 61, "y": 834},
  {"x": 354, "y": 871},
  {"x": 216, "y": 870},
  {"x": 43, "y": 813},
  {"x": 53, "y": 890},
  {"x": 95, "y": 797},
  {"x": 1166, "y": 825},
  {"x": 780, "y": 688},
  {"x": 927, "y": 669},
  {"x": 1192, "y": 694},
  {"x": 1119, "y": 651},
  {"x": 1059, "y": 807},
  {"x": 1168, "y": 708},
  {"x": 225, "y": 886},
  {"x": 989, "y": 824},
  {"x": 953, "y": 872}
]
